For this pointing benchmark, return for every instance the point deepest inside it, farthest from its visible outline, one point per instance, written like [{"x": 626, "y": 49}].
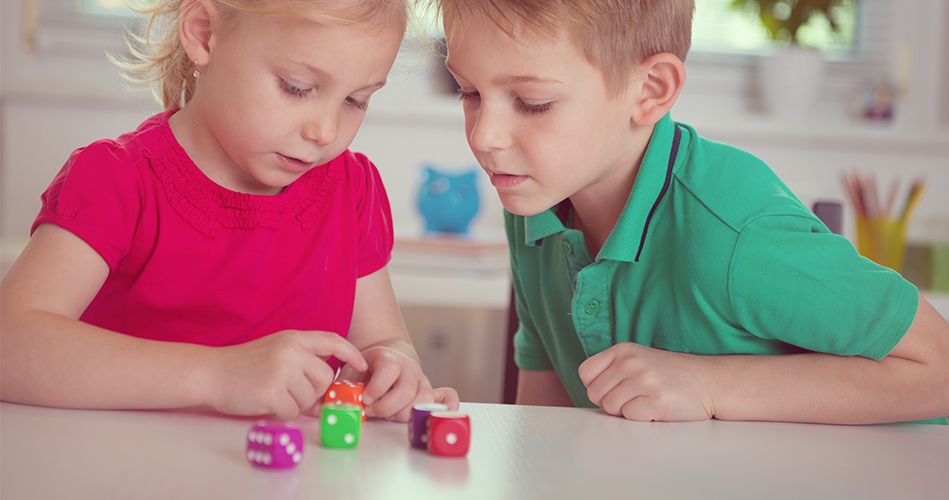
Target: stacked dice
[
  {"x": 274, "y": 445},
  {"x": 342, "y": 414},
  {"x": 441, "y": 432},
  {"x": 278, "y": 445}
]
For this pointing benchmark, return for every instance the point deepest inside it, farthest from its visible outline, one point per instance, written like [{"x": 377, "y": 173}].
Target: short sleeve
[
  {"x": 374, "y": 219},
  {"x": 792, "y": 280},
  {"x": 97, "y": 196}
]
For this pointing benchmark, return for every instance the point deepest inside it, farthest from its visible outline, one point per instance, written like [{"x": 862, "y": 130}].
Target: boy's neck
[{"x": 595, "y": 214}]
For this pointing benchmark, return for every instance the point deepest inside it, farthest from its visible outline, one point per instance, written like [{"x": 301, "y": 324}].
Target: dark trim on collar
[{"x": 665, "y": 187}]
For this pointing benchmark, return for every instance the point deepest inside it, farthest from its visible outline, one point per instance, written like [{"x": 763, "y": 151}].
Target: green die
[{"x": 340, "y": 425}]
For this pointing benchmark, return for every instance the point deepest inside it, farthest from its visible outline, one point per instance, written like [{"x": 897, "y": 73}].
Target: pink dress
[{"x": 193, "y": 262}]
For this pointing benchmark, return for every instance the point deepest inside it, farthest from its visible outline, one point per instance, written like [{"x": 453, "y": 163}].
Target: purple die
[
  {"x": 274, "y": 444},
  {"x": 418, "y": 423}
]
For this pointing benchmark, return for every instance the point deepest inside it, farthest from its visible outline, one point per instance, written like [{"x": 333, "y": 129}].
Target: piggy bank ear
[
  {"x": 425, "y": 173},
  {"x": 471, "y": 175}
]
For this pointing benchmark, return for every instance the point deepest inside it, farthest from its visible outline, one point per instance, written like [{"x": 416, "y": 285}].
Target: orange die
[{"x": 346, "y": 392}]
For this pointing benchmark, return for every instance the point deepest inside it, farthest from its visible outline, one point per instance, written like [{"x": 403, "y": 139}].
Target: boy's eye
[
  {"x": 532, "y": 109},
  {"x": 356, "y": 103},
  {"x": 293, "y": 90}
]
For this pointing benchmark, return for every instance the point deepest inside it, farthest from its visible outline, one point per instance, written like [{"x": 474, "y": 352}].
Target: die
[
  {"x": 340, "y": 425},
  {"x": 346, "y": 392},
  {"x": 449, "y": 433},
  {"x": 418, "y": 423},
  {"x": 274, "y": 445}
]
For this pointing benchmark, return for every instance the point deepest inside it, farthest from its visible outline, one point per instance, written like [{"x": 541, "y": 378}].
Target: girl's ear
[
  {"x": 659, "y": 79},
  {"x": 195, "y": 19}
]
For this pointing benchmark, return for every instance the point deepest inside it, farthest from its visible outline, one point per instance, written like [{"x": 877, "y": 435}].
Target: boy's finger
[
  {"x": 327, "y": 344},
  {"x": 595, "y": 365}
]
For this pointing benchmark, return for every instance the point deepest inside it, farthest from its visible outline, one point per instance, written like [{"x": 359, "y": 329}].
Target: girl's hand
[
  {"x": 395, "y": 383},
  {"x": 448, "y": 397},
  {"x": 645, "y": 384},
  {"x": 279, "y": 375}
]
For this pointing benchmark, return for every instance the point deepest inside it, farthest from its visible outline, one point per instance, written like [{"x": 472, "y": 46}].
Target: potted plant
[
  {"x": 791, "y": 76},
  {"x": 783, "y": 18}
]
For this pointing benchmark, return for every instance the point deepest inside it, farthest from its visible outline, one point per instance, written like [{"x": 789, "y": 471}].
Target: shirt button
[
  {"x": 567, "y": 248},
  {"x": 591, "y": 307}
]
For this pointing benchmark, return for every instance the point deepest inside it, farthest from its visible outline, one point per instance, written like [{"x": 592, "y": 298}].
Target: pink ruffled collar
[{"x": 206, "y": 206}]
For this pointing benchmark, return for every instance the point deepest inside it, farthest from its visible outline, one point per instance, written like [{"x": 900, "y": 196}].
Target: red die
[
  {"x": 346, "y": 392},
  {"x": 449, "y": 433}
]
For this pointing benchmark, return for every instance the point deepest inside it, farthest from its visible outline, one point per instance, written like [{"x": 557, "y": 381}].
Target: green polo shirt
[{"x": 712, "y": 254}]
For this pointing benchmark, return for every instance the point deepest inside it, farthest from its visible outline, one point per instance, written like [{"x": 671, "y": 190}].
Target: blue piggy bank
[{"x": 447, "y": 202}]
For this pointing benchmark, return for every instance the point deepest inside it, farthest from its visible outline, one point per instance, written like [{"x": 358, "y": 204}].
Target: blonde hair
[
  {"x": 613, "y": 35},
  {"x": 159, "y": 59}
]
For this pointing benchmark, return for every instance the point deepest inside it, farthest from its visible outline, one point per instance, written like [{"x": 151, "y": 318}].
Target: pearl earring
[{"x": 197, "y": 72}]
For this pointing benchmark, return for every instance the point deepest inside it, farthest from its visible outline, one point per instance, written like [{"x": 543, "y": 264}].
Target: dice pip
[
  {"x": 340, "y": 425},
  {"x": 418, "y": 423},
  {"x": 449, "y": 433},
  {"x": 346, "y": 392},
  {"x": 274, "y": 445}
]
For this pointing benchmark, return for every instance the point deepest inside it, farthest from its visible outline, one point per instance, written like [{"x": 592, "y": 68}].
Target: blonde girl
[{"x": 231, "y": 251}]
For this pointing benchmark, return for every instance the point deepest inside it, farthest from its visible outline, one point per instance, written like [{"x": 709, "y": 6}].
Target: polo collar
[
  {"x": 628, "y": 239},
  {"x": 550, "y": 221}
]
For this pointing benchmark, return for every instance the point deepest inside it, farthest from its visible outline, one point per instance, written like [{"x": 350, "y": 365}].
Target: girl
[{"x": 231, "y": 252}]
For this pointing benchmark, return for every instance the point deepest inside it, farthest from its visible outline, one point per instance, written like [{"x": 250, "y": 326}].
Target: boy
[{"x": 639, "y": 250}]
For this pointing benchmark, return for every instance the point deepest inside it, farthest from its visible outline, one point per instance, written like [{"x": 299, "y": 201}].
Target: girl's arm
[
  {"x": 541, "y": 388},
  {"x": 910, "y": 383},
  {"x": 50, "y": 358},
  {"x": 395, "y": 378}
]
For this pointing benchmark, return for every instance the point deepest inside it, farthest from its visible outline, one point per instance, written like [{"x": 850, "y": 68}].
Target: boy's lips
[
  {"x": 500, "y": 180},
  {"x": 293, "y": 164}
]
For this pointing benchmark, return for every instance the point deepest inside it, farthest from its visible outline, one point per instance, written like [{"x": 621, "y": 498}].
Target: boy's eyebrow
[{"x": 514, "y": 79}]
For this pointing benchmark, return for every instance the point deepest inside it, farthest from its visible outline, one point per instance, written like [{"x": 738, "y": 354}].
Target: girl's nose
[
  {"x": 487, "y": 130},
  {"x": 321, "y": 127}
]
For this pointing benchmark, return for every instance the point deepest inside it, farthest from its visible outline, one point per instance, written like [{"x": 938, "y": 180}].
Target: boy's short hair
[{"x": 613, "y": 35}]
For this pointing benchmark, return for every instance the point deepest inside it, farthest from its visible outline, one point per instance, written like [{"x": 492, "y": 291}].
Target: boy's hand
[
  {"x": 395, "y": 383},
  {"x": 645, "y": 384},
  {"x": 279, "y": 375}
]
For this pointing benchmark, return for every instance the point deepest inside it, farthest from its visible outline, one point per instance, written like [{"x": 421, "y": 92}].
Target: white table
[{"x": 516, "y": 452}]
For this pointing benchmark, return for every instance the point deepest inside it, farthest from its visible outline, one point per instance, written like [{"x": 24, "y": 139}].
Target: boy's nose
[
  {"x": 487, "y": 130},
  {"x": 321, "y": 127}
]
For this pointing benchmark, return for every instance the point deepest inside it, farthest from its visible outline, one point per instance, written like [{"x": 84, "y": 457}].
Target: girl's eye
[
  {"x": 468, "y": 96},
  {"x": 532, "y": 109},
  {"x": 293, "y": 90},
  {"x": 356, "y": 103}
]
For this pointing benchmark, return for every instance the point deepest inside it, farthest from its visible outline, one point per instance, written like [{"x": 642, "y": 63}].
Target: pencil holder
[{"x": 882, "y": 240}]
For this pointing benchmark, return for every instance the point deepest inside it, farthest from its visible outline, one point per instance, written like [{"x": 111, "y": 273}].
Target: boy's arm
[
  {"x": 50, "y": 358},
  {"x": 541, "y": 388},
  {"x": 910, "y": 383},
  {"x": 395, "y": 378}
]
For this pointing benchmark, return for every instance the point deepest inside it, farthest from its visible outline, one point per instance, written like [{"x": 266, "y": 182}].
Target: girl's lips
[
  {"x": 506, "y": 180},
  {"x": 293, "y": 164}
]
